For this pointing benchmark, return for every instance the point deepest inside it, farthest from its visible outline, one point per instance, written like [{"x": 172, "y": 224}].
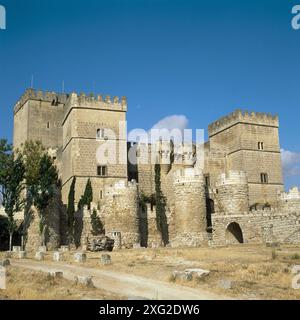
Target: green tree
[
  {"x": 32, "y": 153},
  {"x": 71, "y": 211},
  {"x": 87, "y": 196},
  {"x": 43, "y": 191},
  {"x": 161, "y": 218},
  {"x": 97, "y": 226},
  {"x": 11, "y": 180}
]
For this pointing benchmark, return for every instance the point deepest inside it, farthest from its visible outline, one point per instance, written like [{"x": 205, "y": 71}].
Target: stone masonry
[{"x": 236, "y": 197}]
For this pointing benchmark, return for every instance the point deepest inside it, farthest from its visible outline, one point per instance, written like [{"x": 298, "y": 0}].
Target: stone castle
[{"x": 235, "y": 196}]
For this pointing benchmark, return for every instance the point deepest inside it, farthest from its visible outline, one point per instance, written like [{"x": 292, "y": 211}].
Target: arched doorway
[{"x": 234, "y": 234}]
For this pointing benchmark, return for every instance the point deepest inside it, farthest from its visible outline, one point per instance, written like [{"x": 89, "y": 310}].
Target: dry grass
[
  {"x": 24, "y": 284},
  {"x": 255, "y": 271}
]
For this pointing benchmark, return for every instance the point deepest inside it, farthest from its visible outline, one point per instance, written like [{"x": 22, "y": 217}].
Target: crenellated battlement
[
  {"x": 39, "y": 95},
  {"x": 293, "y": 194},
  {"x": 240, "y": 116},
  {"x": 94, "y": 102}
]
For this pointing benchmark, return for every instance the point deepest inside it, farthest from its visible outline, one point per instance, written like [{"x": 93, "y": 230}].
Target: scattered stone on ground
[
  {"x": 101, "y": 243},
  {"x": 84, "y": 280},
  {"x": 80, "y": 257},
  {"x": 105, "y": 259}
]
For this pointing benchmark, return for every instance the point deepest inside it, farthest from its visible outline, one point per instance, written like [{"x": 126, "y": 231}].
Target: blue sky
[{"x": 200, "y": 59}]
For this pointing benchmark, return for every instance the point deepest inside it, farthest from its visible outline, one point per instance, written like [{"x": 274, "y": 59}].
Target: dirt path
[{"x": 121, "y": 283}]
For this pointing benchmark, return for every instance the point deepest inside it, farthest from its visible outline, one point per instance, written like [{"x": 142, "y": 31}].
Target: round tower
[
  {"x": 121, "y": 214},
  {"x": 233, "y": 192},
  {"x": 163, "y": 151},
  {"x": 190, "y": 208}
]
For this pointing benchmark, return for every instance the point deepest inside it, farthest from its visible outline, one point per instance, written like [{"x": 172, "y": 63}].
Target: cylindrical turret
[
  {"x": 121, "y": 213},
  {"x": 233, "y": 192},
  {"x": 163, "y": 149},
  {"x": 190, "y": 208}
]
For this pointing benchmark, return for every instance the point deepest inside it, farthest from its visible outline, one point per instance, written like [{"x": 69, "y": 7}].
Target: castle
[{"x": 235, "y": 196}]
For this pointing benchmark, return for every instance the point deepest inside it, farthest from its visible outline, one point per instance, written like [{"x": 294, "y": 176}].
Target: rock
[
  {"x": 182, "y": 275},
  {"x": 42, "y": 249},
  {"x": 4, "y": 262},
  {"x": 22, "y": 255},
  {"x": 198, "y": 273},
  {"x": 189, "y": 274},
  {"x": 16, "y": 249},
  {"x": 100, "y": 243},
  {"x": 105, "y": 259},
  {"x": 58, "y": 256},
  {"x": 225, "y": 284},
  {"x": 84, "y": 280},
  {"x": 55, "y": 274},
  {"x": 80, "y": 257},
  {"x": 39, "y": 256},
  {"x": 64, "y": 248}
]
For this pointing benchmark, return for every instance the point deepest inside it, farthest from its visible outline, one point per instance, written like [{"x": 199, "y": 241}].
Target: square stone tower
[
  {"x": 94, "y": 144},
  {"x": 250, "y": 143},
  {"x": 38, "y": 116}
]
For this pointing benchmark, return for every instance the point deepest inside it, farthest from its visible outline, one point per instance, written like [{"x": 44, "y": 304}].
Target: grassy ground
[
  {"x": 23, "y": 284},
  {"x": 255, "y": 272}
]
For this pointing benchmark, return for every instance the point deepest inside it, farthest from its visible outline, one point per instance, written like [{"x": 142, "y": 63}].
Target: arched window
[
  {"x": 264, "y": 178},
  {"x": 260, "y": 145}
]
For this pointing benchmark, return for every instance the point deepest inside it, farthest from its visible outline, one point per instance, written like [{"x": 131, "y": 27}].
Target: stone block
[
  {"x": 80, "y": 257},
  {"x": 58, "y": 256},
  {"x": 42, "y": 249},
  {"x": 105, "y": 259},
  {"x": 16, "y": 249},
  {"x": 136, "y": 246},
  {"x": 84, "y": 280},
  {"x": 64, "y": 249},
  {"x": 4, "y": 262},
  {"x": 39, "y": 256},
  {"x": 55, "y": 274},
  {"x": 198, "y": 273},
  {"x": 182, "y": 275}
]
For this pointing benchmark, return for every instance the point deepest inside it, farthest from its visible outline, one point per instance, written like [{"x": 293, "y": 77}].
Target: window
[
  {"x": 48, "y": 125},
  {"x": 102, "y": 171},
  {"x": 264, "y": 178},
  {"x": 100, "y": 133},
  {"x": 260, "y": 146},
  {"x": 101, "y": 194}
]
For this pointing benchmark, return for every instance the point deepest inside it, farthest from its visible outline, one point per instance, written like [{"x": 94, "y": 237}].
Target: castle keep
[{"x": 236, "y": 196}]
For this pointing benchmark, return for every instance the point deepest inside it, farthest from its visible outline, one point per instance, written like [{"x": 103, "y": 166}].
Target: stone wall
[
  {"x": 238, "y": 135},
  {"x": 190, "y": 208},
  {"x": 263, "y": 226},
  {"x": 232, "y": 192},
  {"x": 83, "y": 116},
  {"x": 121, "y": 212}
]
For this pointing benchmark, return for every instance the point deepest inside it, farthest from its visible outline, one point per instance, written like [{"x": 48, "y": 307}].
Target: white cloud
[
  {"x": 170, "y": 127},
  {"x": 173, "y": 124},
  {"x": 290, "y": 163}
]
